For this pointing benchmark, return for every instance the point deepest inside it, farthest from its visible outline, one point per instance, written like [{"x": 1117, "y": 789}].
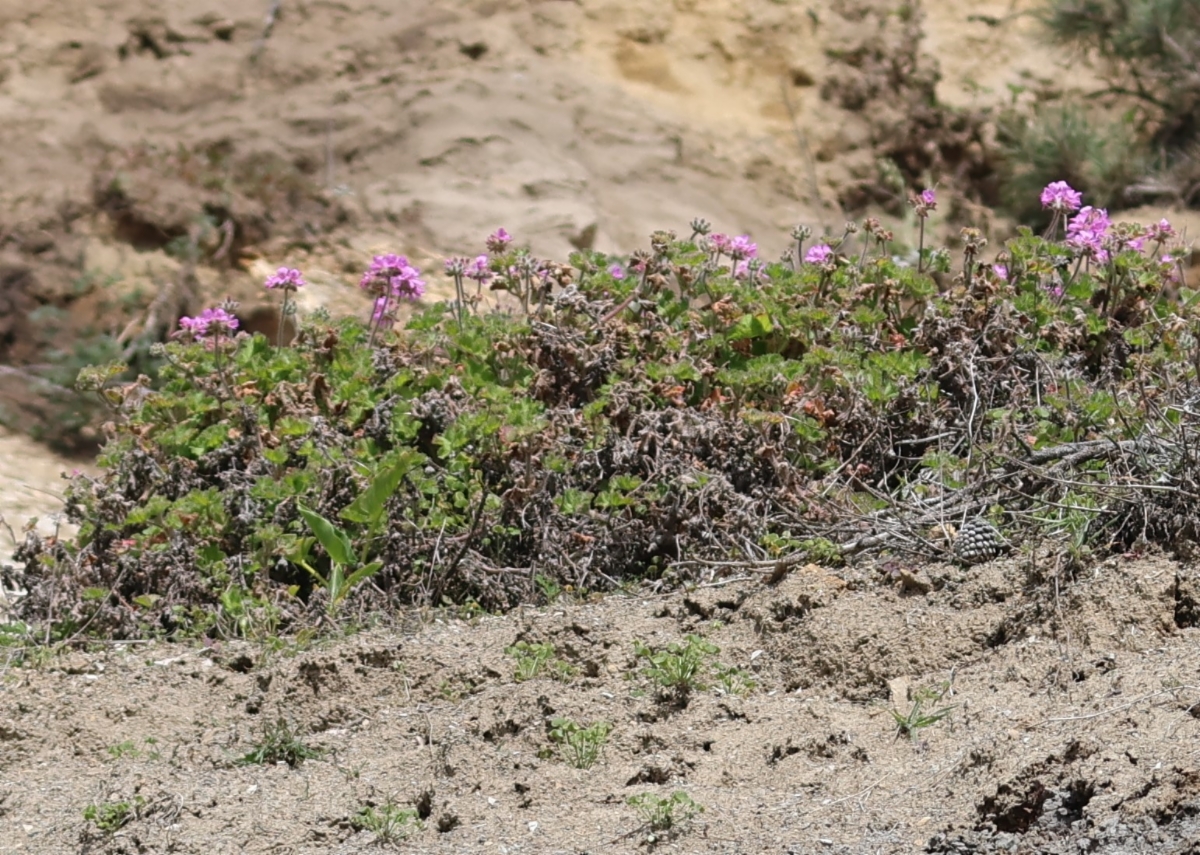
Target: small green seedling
[
  {"x": 733, "y": 681},
  {"x": 113, "y": 816},
  {"x": 907, "y": 724},
  {"x": 533, "y": 659},
  {"x": 129, "y": 749},
  {"x": 341, "y": 556},
  {"x": 388, "y": 822},
  {"x": 664, "y": 816},
  {"x": 679, "y": 667},
  {"x": 549, "y": 588},
  {"x": 280, "y": 744},
  {"x": 580, "y": 746}
]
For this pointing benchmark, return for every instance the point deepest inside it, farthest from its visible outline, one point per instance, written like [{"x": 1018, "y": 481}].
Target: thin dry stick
[
  {"x": 227, "y": 232},
  {"x": 329, "y": 153},
  {"x": 33, "y": 378},
  {"x": 863, "y": 793},
  {"x": 268, "y": 26},
  {"x": 1120, "y": 708},
  {"x": 1058, "y": 608},
  {"x": 801, "y": 140}
]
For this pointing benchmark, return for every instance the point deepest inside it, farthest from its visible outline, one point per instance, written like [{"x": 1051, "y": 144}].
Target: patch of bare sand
[
  {"x": 31, "y": 487},
  {"x": 1073, "y": 725}
]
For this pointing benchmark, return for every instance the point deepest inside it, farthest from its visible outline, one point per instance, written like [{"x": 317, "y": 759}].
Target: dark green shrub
[
  {"x": 1149, "y": 50},
  {"x": 1065, "y": 142}
]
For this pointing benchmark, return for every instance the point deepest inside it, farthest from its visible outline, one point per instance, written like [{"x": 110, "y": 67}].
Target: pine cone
[{"x": 979, "y": 541}]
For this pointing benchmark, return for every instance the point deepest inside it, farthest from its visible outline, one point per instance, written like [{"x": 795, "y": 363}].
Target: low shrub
[
  {"x": 651, "y": 419},
  {"x": 1147, "y": 52}
]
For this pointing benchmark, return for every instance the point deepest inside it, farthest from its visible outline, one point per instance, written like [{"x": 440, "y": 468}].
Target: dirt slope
[{"x": 1073, "y": 727}]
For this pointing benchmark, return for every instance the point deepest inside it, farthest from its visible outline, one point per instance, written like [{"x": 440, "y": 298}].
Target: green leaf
[
  {"x": 751, "y": 326},
  {"x": 364, "y": 572},
  {"x": 335, "y": 541},
  {"x": 368, "y": 507}
]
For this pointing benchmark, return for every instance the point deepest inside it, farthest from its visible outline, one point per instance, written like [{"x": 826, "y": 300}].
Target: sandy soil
[
  {"x": 420, "y": 126},
  {"x": 30, "y": 489},
  {"x": 1074, "y": 726}
]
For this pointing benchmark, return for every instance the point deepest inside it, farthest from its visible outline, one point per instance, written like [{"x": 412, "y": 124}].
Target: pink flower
[
  {"x": 1161, "y": 232},
  {"x": 1059, "y": 196},
  {"x": 720, "y": 243},
  {"x": 498, "y": 241},
  {"x": 1001, "y": 271},
  {"x": 286, "y": 279},
  {"x": 924, "y": 203},
  {"x": 209, "y": 322},
  {"x": 479, "y": 270},
  {"x": 1169, "y": 266},
  {"x": 819, "y": 254},
  {"x": 617, "y": 272},
  {"x": 382, "y": 264},
  {"x": 742, "y": 247},
  {"x": 749, "y": 269},
  {"x": 195, "y": 326},
  {"x": 408, "y": 284},
  {"x": 1086, "y": 232},
  {"x": 395, "y": 273}
]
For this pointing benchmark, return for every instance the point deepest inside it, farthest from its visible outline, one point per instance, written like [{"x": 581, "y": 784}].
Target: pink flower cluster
[
  {"x": 1060, "y": 197},
  {"x": 392, "y": 276},
  {"x": 213, "y": 322},
  {"x": 1160, "y": 232},
  {"x": 750, "y": 269},
  {"x": 479, "y": 269},
  {"x": 738, "y": 248},
  {"x": 1087, "y": 230},
  {"x": 1091, "y": 232},
  {"x": 924, "y": 203},
  {"x": 498, "y": 241},
  {"x": 819, "y": 254},
  {"x": 286, "y": 279}
]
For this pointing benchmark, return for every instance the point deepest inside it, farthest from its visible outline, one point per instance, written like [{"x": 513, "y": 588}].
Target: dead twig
[
  {"x": 801, "y": 141},
  {"x": 268, "y": 25},
  {"x": 1138, "y": 700}
]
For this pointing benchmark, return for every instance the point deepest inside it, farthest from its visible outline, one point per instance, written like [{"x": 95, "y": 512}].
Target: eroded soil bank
[{"x": 1073, "y": 725}]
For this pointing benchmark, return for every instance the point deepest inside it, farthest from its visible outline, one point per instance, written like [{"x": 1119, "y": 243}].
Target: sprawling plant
[{"x": 651, "y": 418}]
